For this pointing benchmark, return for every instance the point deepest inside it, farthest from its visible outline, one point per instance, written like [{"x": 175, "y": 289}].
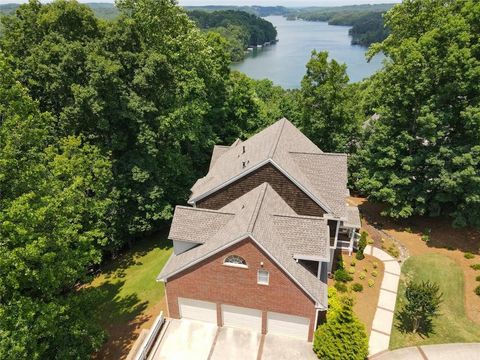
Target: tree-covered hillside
[
  {"x": 366, "y": 20},
  {"x": 241, "y": 29}
]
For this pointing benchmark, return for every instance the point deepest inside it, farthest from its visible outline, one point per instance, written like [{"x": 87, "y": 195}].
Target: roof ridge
[
  {"x": 300, "y": 217},
  {"x": 322, "y": 153},
  {"x": 203, "y": 210},
  {"x": 224, "y": 146},
  {"x": 256, "y": 211},
  {"x": 274, "y": 147}
]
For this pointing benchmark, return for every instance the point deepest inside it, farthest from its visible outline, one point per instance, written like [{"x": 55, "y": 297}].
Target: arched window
[{"x": 235, "y": 260}]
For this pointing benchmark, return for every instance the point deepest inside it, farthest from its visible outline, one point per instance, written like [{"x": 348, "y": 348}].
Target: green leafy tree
[
  {"x": 422, "y": 305},
  {"x": 147, "y": 89},
  {"x": 362, "y": 244},
  {"x": 54, "y": 200},
  {"x": 342, "y": 336},
  {"x": 421, "y": 156},
  {"x": 329, "y": 111}
]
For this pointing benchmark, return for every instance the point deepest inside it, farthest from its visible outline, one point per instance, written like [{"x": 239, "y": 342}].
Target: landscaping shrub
[
  {"x": 340, "y": 263},
  {"x": 468, "y": 255},
  {"x": 375, "y": 265},
  {"x": 340, "y": 286},
  {"x": 357, "y": 287},
  {"x": 426, "y": 235},
  {"x": 342, "y": 275},
  {"x": 362, "y": 275},
  {"x": 342, "y": 336},
  {"x": 477, "y": 290},
  {"x": 477, "y": 278},
  {"x": 365, "y": 269},
  {"x": 351, "y": 270},
  {"x": 408, "y": 229},
  {"x": 353, "y": 263},
  {"x": 422, "y": 306},
  {"x": 374, "y": 273},
  {"x": 392, "y": 250},
  {"x": 475, "y": 266},
  {"x": 362, "y": 243},
  {"x": 371, "y": 282},
  {"x": 370, "y": 241}
]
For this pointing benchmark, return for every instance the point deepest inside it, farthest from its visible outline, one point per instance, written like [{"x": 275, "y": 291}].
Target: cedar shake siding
[
  {"x": 300, "y": 202},
  {"x": 212, "y": 281}
]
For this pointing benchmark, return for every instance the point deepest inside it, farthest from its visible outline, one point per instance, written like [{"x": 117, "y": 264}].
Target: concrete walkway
[
  {"x": 383, "y": 320},
  {"x": 433, "y": 352}
]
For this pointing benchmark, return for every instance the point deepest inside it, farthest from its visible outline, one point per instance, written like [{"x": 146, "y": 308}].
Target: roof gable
[
  {"x": 255, "y": 217},
  {"x": 285, "y": 147}
]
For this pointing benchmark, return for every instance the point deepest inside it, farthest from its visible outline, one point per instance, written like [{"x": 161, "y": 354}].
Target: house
[{"x": 256, "y": 245}]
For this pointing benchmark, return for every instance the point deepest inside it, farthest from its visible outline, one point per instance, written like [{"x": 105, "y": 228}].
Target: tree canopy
[
  {"x": 422, "y": 155},
  {"x": 329, "y": 108},
  {"x": 104, "y": 127}
]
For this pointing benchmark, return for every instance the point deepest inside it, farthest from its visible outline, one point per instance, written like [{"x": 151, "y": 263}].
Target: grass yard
[
  {"x": 452, "y": 325},
  {"x": 131, "y": 298}
]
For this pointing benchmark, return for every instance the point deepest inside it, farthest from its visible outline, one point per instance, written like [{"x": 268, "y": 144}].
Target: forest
[
  {"x": 106, "y": 124},
  {"x": 367, "y": 21},
  {"x": 240, "y": 28}
]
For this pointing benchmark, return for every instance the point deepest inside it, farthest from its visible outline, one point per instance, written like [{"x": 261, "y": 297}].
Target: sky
[{"x": 287, "y": 3}]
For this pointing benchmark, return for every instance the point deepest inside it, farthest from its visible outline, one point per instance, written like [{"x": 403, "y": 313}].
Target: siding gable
[{"x": 300, "y": 202}]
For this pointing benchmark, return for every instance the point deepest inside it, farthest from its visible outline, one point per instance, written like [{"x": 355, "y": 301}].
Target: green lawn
[
  {"x": 128, "y": 282},
  {"x": 452, "y": 325}
]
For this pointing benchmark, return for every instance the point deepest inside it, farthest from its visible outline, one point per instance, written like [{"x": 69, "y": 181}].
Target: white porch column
[
  {"x": 350, "y": 247},
  {"x": 336, "y": 233}
]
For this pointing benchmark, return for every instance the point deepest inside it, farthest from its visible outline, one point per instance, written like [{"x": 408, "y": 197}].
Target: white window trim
[
  {"x": 241, "y": 266},
  {"x": 262, "y": 282}
]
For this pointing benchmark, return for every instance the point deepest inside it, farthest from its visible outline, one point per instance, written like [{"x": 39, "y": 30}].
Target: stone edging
[{"x": 383, "y": 319}]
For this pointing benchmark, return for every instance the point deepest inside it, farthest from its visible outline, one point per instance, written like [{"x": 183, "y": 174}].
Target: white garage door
[
  {"x": 241, "y": 317},
  {"x": 198, "y": 310},
  {"x": 283, "y": 324}
]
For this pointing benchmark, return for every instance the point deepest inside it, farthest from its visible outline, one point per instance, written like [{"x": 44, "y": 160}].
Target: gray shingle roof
[
  {"x": 323, "y": 175},
  {"x": 264, "y": 216},
  {"x": 197, "y": 225},
  {"x": 218, "y": 150},
  {"x": 327, "y": 175},
  {"x": 353, "y": 218}
]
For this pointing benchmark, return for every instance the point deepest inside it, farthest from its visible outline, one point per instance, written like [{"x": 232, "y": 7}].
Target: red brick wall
[
  {"x": 212, "y": 281},
  {"x": 301, "y": 203}
]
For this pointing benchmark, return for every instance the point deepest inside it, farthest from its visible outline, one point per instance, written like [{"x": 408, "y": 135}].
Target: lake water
[{"x": 284, "y": 63}]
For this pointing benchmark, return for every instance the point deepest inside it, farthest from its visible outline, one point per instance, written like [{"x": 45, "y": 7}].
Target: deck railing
[{"x": 150, "y": 339}]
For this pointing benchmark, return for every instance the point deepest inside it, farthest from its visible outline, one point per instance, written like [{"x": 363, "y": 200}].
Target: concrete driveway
[
  {"x": 194, "y": 340},
  {"x": 277, "y": 347},
  {"x": 185, "y": 340},
  {"x": 235, "y": 343}
]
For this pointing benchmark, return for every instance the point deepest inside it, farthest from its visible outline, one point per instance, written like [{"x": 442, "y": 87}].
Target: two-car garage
[{"x": 245, "y": 318}]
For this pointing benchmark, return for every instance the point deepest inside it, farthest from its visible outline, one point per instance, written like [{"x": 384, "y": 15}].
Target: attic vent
[{"x": 244, "y": 164}]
